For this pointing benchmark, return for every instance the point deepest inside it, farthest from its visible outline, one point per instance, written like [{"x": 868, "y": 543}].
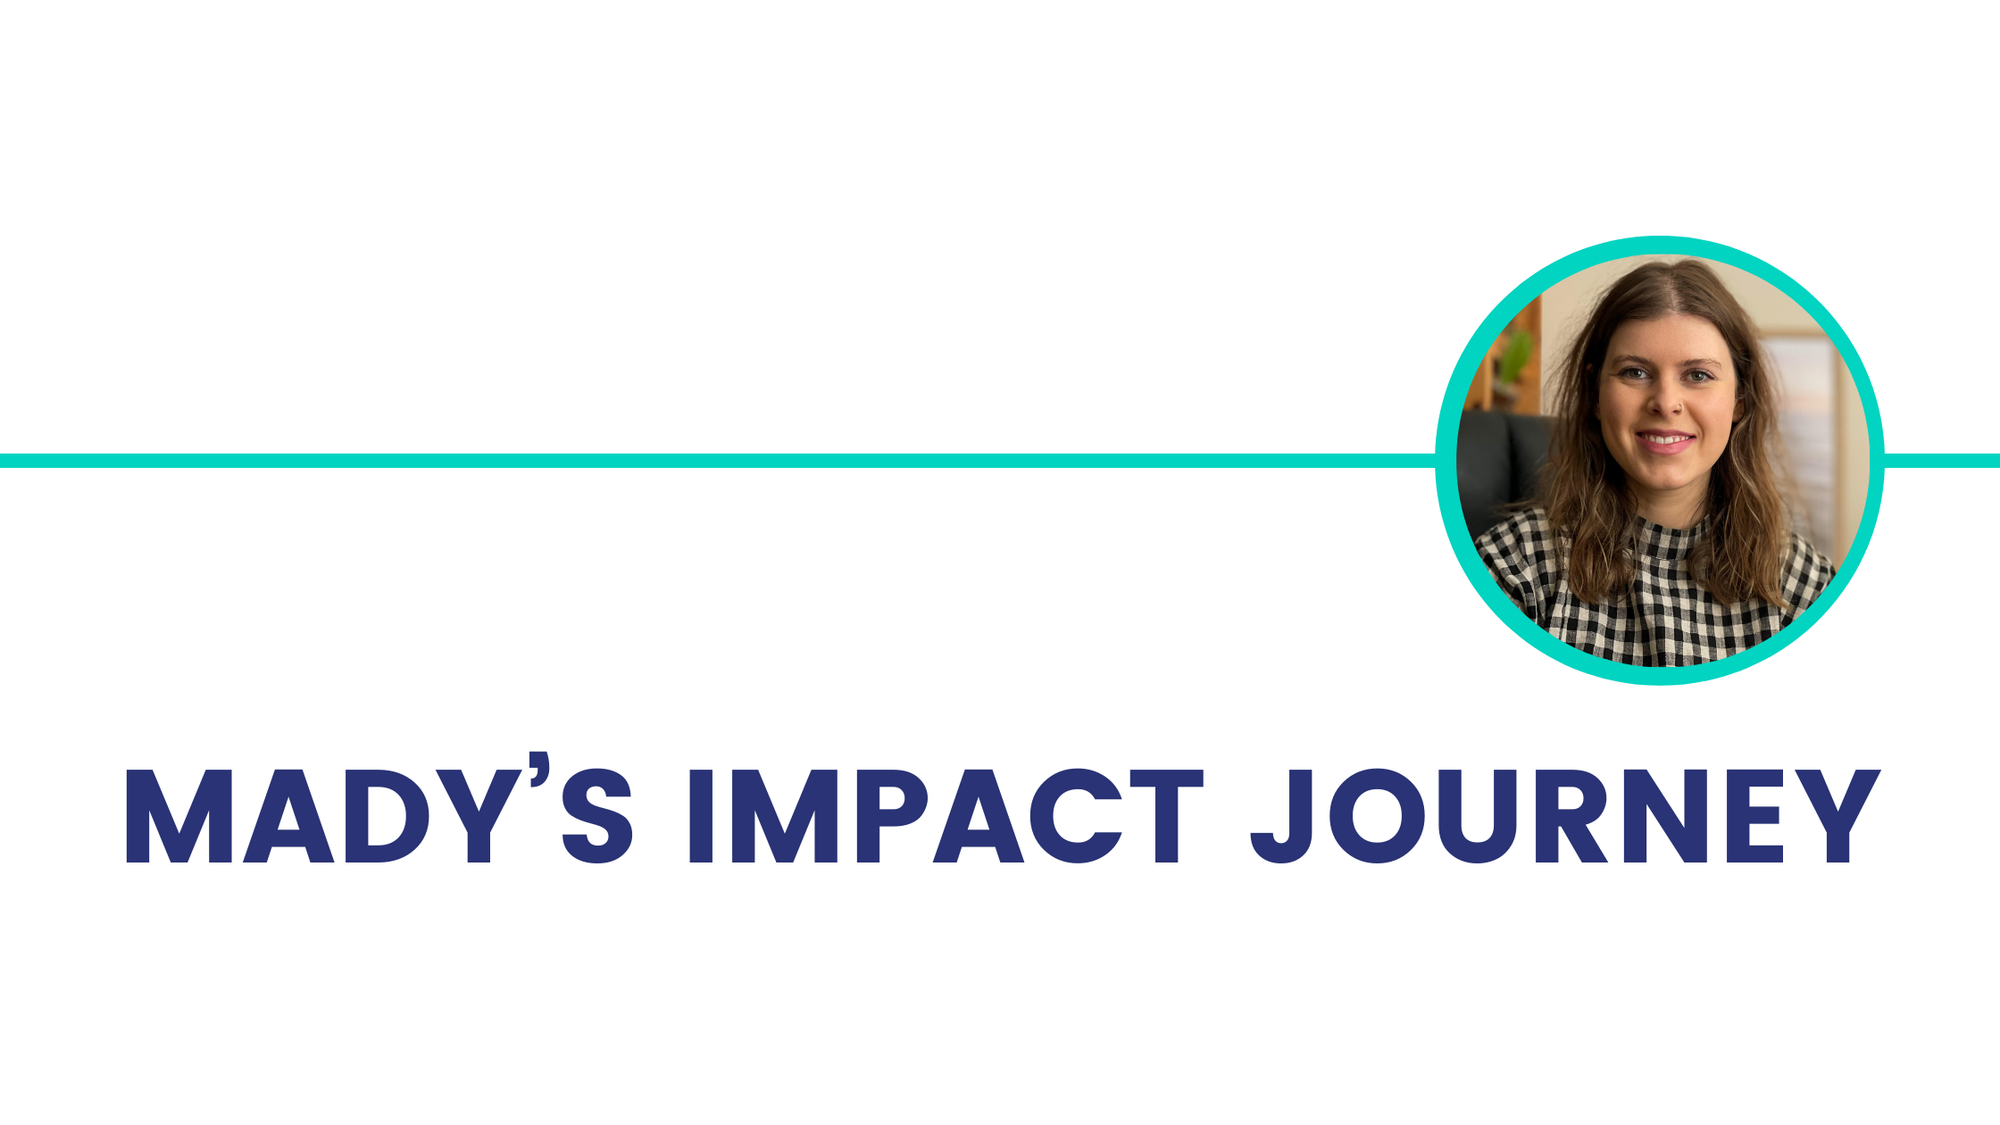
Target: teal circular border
[{"x": 1446, "y": 453}]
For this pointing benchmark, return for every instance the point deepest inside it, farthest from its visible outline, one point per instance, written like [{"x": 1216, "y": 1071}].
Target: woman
[{"x": 1660, "y": 535}]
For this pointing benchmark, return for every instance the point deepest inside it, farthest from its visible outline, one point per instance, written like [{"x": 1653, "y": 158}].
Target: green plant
[{"x": 1520, "y": 349}]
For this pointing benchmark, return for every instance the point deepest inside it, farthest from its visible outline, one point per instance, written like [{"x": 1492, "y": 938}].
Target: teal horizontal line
[
  {"x": 717, "y": 461},
  {"x": 1941, "y": 460}
]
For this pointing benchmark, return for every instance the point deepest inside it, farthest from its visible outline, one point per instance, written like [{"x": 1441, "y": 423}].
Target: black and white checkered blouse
[{"x": 1663, "y": 619}]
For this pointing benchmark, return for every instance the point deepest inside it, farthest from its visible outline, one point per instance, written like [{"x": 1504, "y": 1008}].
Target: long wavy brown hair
[{"x": 1748, "y": 531}]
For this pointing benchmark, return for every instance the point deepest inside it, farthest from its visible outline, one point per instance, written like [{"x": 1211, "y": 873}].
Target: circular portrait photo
[{"x": 1662, "y": 461}]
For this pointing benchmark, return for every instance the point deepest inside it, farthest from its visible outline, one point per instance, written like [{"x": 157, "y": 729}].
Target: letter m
[
  {"x": 751, "y": 809},
  {"x": 146, "y": 806}
]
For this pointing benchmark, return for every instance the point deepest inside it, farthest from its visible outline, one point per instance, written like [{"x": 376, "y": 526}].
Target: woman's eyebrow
[{"x": 1683, "y": 363}]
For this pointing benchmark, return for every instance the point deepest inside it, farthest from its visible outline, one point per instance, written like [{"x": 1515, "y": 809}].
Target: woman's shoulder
[
  {"x": 1520, "y": 554},
  {"x": 1807, "y": 573},
  {"x": 1521, "y": 551},
  {"x": 1525, "y": 532}
]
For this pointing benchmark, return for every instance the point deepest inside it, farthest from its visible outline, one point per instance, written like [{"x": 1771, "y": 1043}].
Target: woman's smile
[{"x": 1666, "y": 443}]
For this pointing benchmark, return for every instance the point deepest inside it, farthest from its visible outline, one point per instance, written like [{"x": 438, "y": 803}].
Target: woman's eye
[
  {"x": 1699, "y": 377},
  {"x": 1633, "y": 373}
]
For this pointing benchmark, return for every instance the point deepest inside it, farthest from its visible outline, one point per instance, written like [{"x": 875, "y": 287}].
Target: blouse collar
[{"x": 1667, "y": 542}]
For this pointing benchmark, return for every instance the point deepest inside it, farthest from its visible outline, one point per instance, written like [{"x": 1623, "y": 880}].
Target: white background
[{"x": 1086, "y": 228}]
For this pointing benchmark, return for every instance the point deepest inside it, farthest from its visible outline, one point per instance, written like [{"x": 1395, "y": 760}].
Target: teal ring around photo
[{"x": 1461, "y": 385}]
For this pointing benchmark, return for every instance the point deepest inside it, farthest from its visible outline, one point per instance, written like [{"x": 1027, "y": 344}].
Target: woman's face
[{"x": 1666, "y": 398}]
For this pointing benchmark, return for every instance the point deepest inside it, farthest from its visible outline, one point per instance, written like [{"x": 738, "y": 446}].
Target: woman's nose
[{"x": 1666, "y": 400}]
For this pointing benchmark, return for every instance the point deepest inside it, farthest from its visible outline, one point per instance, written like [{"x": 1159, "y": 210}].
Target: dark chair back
[{"x": 1498, "y": 458}]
